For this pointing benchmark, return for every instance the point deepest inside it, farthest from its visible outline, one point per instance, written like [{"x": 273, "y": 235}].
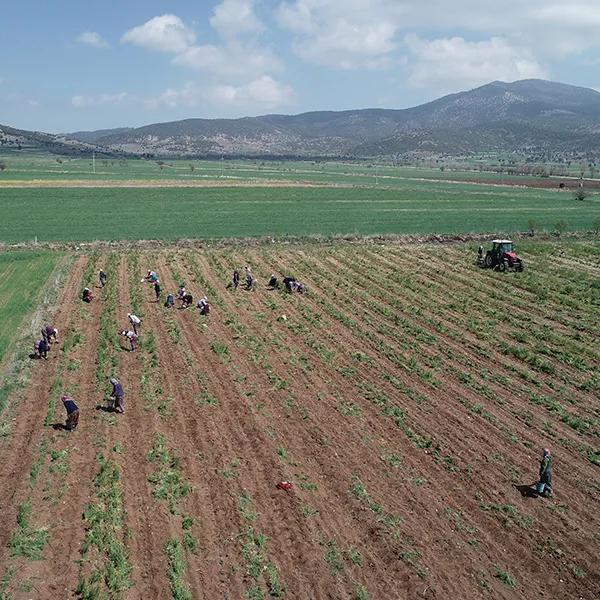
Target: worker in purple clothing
[
  {"x": 72, "y": 413},
  {"x": 117, "y": 395},
  {"x": 49, "y": 333},
  {"x": 41, "y": 349}
]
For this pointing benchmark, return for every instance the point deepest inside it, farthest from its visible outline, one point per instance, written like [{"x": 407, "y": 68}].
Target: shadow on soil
[{"x": 527, "y": 491}]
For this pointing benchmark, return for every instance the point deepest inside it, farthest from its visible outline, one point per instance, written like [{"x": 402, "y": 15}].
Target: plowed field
[{"x": 406, "y": 397}]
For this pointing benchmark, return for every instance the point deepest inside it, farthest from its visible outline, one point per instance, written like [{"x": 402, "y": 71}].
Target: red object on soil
[{"x": 285, "y": 485}]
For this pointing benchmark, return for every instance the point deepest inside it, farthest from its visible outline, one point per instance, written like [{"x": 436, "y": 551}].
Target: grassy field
[
  {"x": 173, "y": 213},
  {"x": 351, "y": 199},
  {"x": 406, "y": 397},
  {"x": 30, "y": 166},
  {"x": 22, "y": 274}
]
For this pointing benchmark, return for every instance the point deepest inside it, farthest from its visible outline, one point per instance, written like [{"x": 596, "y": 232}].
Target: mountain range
[{"x": 533, "y": 117}]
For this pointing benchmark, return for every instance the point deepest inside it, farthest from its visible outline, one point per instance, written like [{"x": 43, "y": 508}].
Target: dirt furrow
[
  {"x": 135, "y": 432},
  {"x": 263, "y": 468},
  {"x": 336, "y": 474}
]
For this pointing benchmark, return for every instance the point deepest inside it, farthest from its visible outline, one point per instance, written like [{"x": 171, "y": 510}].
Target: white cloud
[
  {"x": 92, "y": 38},
  {"x": 234, "y": 17},
  {"x": 343, "y": 34},
  {"x": 232, "y": 60},
  {"x": 261, "y": 93},
  {"x": 166, "y": 33},
  {"x": 351, "y": 34},
  {"x": 102, "y": 99},
  {"x": 576, "y": 14},
  {"x": 239, "y": 70},
  {"x": 453, "y": 64}
]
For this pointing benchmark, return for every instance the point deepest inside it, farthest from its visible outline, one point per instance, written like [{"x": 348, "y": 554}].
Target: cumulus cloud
[
  {"x": 92, "y": 38},
  {"x": 234, "y": 17},
  {"x": 232, "y": 60},
  {"x": 102, "y": 99},
  {"x": 240, "y": 70},
  {"x": 451, "y": 64},
  {"x": 166, "y": 33},
  {"x": 261, "y": 93},
  {"x": 353, "y": 34},
  {"x": 578, "y": 14},
  {"x": 343, "y": 34}
]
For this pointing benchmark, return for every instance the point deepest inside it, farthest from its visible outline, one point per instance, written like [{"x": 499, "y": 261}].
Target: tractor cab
[
  {"x": 502, "y": 246},
  {"x": 502, "y": 256}
]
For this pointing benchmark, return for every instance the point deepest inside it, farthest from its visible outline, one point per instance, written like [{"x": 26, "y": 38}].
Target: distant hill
[
  {"x": 531, "y": 116},
  {"x": 91, "y": 137},
  {"x": 20, "y": 139}
]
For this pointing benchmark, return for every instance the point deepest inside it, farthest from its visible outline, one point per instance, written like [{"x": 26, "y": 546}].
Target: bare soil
[{"x": 399, "y": 489}]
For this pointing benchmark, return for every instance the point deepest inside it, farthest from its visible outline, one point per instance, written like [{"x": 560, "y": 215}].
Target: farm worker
[
  {"x": 41, "y": 348},
  {"x": 181, "y": 292},
  {"x": 290, "y": 284},
  {"x": 132, "y": 337},
  {"x": 249, "y": 277},
  {"x": 72, "y": 413},
  {"x": 50, "y": 332},
  {"x": 117, "y": 395},
  {"x": 170, "y": 301},
  {"x": 135, "y": 322},
  {"x": 480, "y": 255},
  {"x": 544, "y": 486},
  {"x": 102, "y": 278},
  {"x": 87, "y": 295},
  {"x": 203, "y": 305},
  {"x": 152, "y": 277},
  {"x": 236, "y": 279},
  {"x": 187, "y": 300},
  {"x": 157, "y": 289},
  {"x": 273, "y": 283}
]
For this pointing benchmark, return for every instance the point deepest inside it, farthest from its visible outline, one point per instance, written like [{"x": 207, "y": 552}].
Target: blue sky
[{"x": 71, "y": 65}]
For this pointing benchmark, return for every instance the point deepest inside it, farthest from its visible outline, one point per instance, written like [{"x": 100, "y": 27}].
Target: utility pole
[{"x": 94, "y": 161}]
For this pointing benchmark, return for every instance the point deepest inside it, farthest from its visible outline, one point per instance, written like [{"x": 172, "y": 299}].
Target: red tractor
[{"x": 501, "y": 257}]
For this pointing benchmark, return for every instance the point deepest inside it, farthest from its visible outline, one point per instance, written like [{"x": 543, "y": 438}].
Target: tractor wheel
[
  {"x": 502, "y": 265},
  {"x": 488, "y": 262},
  {"x": 519, "y": 267}
]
